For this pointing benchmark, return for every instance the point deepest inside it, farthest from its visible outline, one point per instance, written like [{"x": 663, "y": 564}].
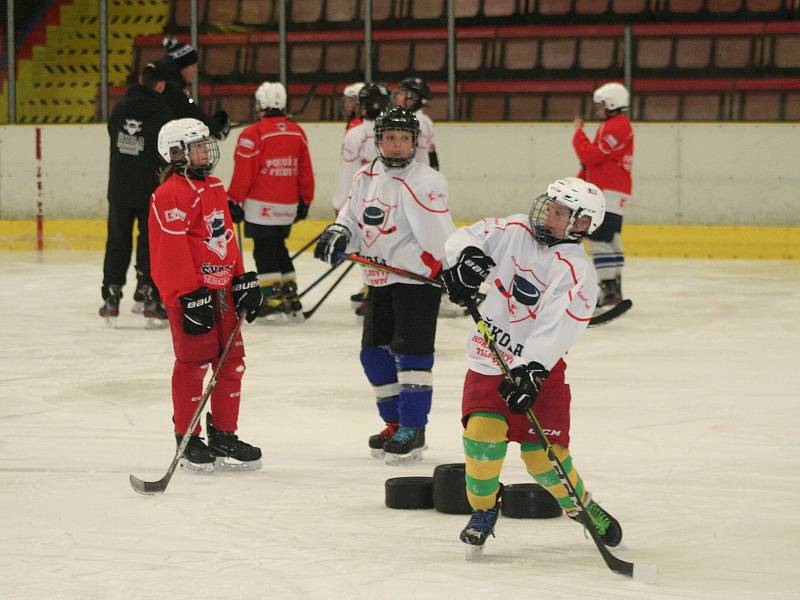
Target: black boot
[
  {"x": 112, "y": 294},
  {"x": 231, "y": 452},
  {"x": 153, "y": 310},
  {"x": 196, "y": 456},
  {"x": 406, "y": 445},
  {"x": 610, "y": 292},
  {"x": 377, "y": 441},
  {"x": 606, "y": 526}
]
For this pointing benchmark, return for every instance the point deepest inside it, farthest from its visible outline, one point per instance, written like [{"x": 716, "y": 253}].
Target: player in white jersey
[
  {"x": 542, "y": 292},
  {"x": 414, "y": 94},
  {"x": 396, "y": 214},
  {"x": 358, "y": 148}
]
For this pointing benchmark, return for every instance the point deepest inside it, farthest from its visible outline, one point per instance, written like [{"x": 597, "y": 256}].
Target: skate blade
[
  {"x": 376, "y": 453},
  {"x": 231, "y": 465},
  {"x": 152, "y": 323},
  {"x": 137, "y": 308},
  {"x": 197, "y": 468},
  {"x": 473, "y": 553},
  {"x": 404, "y": 459},
  {"x": 111, "y": 322}
]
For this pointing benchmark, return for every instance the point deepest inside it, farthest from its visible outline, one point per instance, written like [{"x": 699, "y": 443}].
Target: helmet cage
[
  {"x": 540, "y": 210},
  {"x": 415, "y": 89},
  {"x": 396, "y": 118},
  {"x": 180, "y": 157},
  {"x": 373, "y": 99}
]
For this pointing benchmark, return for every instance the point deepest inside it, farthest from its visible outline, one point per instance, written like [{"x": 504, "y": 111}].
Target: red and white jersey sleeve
[
  {"x": 425, "y": 141},
  {"x": 358, "y": 150},
  {"x": 607, "y": 162},
  {"x": 272, "y": 171},
  {"x": 398, "y": 217},
  {"x": 191, "y": 237},
  {"x": 539, "y": 298}
]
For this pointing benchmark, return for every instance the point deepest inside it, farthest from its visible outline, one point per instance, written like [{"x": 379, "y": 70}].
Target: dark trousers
[
  {"x": 119, "y": 245},
  {"x": 269, "y": 248}
]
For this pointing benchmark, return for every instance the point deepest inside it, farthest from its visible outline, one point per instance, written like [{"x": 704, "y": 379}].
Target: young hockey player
[
  {"x": 358, "y": 149},
  {"x": 607, "y": 163},
  {"x": 396, "y": 214},
  {"x": 351, "y": 111},
  {"x": 541, "y": 296},
  {"x": 273, "y": 181},
  {"x": 198, "y": 268},
  {"x": 414, "y": 93}
]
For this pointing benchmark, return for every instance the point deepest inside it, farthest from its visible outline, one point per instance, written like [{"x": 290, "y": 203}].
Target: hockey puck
[
  {"x": 529, "y": 501},
  {"x": 409, "y": 492},
  {"x": 450, "y": 489}
]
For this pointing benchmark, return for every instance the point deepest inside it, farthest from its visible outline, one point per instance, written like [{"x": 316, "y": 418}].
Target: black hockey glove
[
  {"x": 302, "y": 210},
  {"x": 433, "y": 159},
  {"x": 521, "y": 394},
  {"x": 332, "y": 243},
  {"x": 463, "y": 280},
  {"x": 198, "y": 311},
  {"x": 223, "y": 122},
  {"x": 236, "y": 210},
  {"x": 247, "y": 295}
]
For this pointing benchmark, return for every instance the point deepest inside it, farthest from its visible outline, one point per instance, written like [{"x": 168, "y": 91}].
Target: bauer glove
[
  {"x": 332, "y": 244},
  {"x": 521, "y": 394},
  {"x": 246, "y": 295},
  {"x": 236, "y": 210},
  {"x": 463, "y": 280},
  {"x": 198, "y": 311}
]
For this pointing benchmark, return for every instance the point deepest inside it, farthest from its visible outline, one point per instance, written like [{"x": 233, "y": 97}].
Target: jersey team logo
[
  {"x": 521, "y": 295},
  {"x": 132, "y": 126},
  {"x": 374, "y": 218},
  {"x": 218, "y": 238}
]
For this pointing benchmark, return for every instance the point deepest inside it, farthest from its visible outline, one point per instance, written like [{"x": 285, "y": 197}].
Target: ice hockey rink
[{"x": 685, "y": 419}]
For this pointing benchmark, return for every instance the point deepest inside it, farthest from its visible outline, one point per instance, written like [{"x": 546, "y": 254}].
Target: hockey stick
[
  {"x": 307, "y": 246},
  {"x": 617, "y": 311},
  {"x": 239, "y": 236},
  {"x": 615, "y": 564},
  {"x": 356, "y": 258},
  {"x": 320, "y": 279},
  {"x": 309, "y": 313},
  {"x": 150, "y": 488}
]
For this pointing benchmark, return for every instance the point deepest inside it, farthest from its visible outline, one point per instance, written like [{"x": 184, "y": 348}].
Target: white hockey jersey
[
  {"x": 425, "y": 141},
  {"x": 540, "y": 298},
  {"x": 358, "y": 149},
  {"x": 400, "y": 218}
]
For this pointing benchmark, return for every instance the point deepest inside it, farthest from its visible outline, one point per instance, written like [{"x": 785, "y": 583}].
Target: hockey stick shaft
[
  {"x": 319, "y": 280},
  {"x": 158, "y": 487},
  {"x": 615, "y": 564},
  {"x": 309, "y": 313},
  {"x": 356, "y": 258},
  {"x": 307, "y": 246}
]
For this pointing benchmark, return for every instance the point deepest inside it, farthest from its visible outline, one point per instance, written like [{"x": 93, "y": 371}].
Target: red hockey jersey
[
  {"x": 272, "y": 171},
  {"x": 608, "y": 160},
  {"x": 191, "y": 237}
]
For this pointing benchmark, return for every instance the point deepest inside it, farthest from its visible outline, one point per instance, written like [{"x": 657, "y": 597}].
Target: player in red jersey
[{"x": 197, "y": 266}]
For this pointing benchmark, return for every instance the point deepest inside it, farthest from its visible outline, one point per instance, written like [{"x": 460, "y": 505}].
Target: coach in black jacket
[
  {"x": 180, "y": 65},
  {"x": 133, "y": 176}
]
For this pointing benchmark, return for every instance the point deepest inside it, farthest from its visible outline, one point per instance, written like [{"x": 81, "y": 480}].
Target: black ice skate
[
  {"x": 405, "y": 446},
  {"x": 112, "y": 294},
  {"x": 481, "y": 526},
  {"x": 292, "y": 306},
  {"x": 606, "y": 526},
  {"x": 153, "y": 310},
  {"x": 359, "y": 298},
  {"x": 377, "y": 441},
  {"x": 138, "y": 299},
  {"x": 232, "y": 454},
  {"x": 196, "y": 456},
  {"x": 610, "y": 294}
]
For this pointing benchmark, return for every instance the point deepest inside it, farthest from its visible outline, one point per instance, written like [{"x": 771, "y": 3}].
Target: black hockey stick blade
[
  {"x": 150, "y": 488},
  {"x": 611, "y": 314}
]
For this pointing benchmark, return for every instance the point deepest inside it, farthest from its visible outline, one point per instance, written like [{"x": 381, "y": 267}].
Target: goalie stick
[
  {"x": 615, "y": 564},
  {"x": 600, "y": 319},
  {"x": 150, "y": 488}
]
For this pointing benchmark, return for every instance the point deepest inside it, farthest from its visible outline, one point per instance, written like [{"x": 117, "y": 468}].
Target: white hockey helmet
[
  {"x": 351, "y": 91},
  {"x": 613, "y": 96},
  {"x": 584, "y": 199},
  {"x": 271, "y": 95},
  {"x": 175, "y": 139}
]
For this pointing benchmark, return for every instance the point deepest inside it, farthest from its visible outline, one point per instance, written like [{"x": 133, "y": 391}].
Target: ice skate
[
  {"x": 231, "y": 453},
  {"x": 606, "y": 526},
  {"x": 481, "y": 526},
  {"x": 609, "y": 296},
  {"x": 138, "y": 299},
  {"x": 359, "y": 299},
  {"x": 292, "y": 307},
  {"x": 196, "y": 456},
  {"x": 153, "y": 311},
  {"x": 377, "y": 441},
  {"x": 112, "y": 295},
  {"x": 405, "y": 446}
]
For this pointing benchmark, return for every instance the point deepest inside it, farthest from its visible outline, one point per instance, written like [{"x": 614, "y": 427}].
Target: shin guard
[{"x": 485, "y": 445}]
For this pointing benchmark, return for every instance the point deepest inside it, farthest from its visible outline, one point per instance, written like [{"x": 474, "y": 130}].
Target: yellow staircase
[{"x": 60, "y": 83}]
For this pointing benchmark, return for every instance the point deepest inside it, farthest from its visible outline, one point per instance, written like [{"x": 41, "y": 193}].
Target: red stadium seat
[
  {"x": 341, "y": 11},
  {"x": 430, "y": 55},
  {"x": 684, "y": 6},
  {"x": 222, "y": 11},
  {"x": 701, "y": 107},
  {"x": 591, "y": 7},
  {"x": 220, "y": 60},
  {"x": 488, "y": 107},
  {"x": 470, "y": 55},
  {"x": 305, "y": 58},
  {"x": 342, "y": 57},
  {"x": 393, "y": 57},
  {"x": 692, "y": 53},
  {"x": 465, "y": 9},
  {"x": 558, "y": 53},
  {"x": 628, "y": 7},
  {"x": 239, "y": 107},
  {"x": 306, "y": 11},
  {"x": 659, "y": 107},
  {"x": 653, "y": 53},
  {"x": 255, "y": 12},
  {"x": 183, "y": 16},
  {"x": 763, "y": 5},
  {"x": 787, "y": 51},
  {"x": 733, "y": 52},
  {"x": 499, "y": 8},
  {"x": 521, "y": 54},
  {"x": 428, "y": 9},
  {"x": 266, "y": 60},
  {"x": 792, "y": 107},
  {"x": 598, "y": 54},
  {"x": 525, "y": 107},
  {"x": 724, "y": 6},
  {"x": 554, "y": 7},
  {"x": 761, "y": 106},
  {"x": 564, "y": 107}
]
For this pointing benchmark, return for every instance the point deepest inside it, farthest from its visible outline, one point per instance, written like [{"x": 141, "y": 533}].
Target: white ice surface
[{"x": 685, "y": 427}]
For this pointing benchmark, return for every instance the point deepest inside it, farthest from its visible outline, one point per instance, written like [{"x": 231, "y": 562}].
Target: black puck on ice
[
  {"x": 409, "y": 492},
  {"x": 450, "y": 489},
  {"x": 529, "y": 501}
]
